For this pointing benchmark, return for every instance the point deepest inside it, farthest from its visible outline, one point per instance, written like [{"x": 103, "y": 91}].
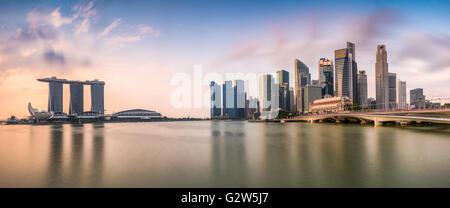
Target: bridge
[{"x": 404, "y": 117}]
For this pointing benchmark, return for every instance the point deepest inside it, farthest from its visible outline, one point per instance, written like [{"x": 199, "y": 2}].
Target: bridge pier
[
  {"x": 377, "y": 122},
  {"x": 404, "y": 123}
]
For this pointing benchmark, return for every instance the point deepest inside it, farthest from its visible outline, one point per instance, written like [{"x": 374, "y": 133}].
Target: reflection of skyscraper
[
  {"x": 392, "y": 82},
  {"x": 382, "y": 82},
  {"x": 326, "y": 79},
  {"x": 215, "y": 99},
  {"x": 76, "y": 98},
  {"x": 302, "y": 78},
  {"x": 346, "y": 72},
  {"x": 362, "y": 88},
  {"x": 98, "y": 98},
  {"x": 401, "y": 94},
  {"x": 55, "y": 97}
]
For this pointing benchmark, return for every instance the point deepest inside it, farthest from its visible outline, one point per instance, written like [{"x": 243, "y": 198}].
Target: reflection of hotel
[{"x": 333, "y": 104}]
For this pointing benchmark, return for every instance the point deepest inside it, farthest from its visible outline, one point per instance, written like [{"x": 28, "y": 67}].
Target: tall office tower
[
  {"x": 215, "y": 93},
  {"x": 98, "y": 97},
  {"x": 326, "y": 80},
  {"x": 283, "y": 84},
  {"x": 292, "y": 100},
  {"x": 311, "y": 93},
  {"x": 416, "y": 98},
  {"x": 343, "y": 74},
  {"x": 302, "y": 78},
  {"x": 362, "y": 88},
  {"x": 55, "y": 97},
  {"x": 354, "y": 70},
  {"x": 240, "y": 98},
  {"x": 346, "y": 71},
  {"x": 401, "y": 94},
  {"x": 228, "y": 98},
  {"x": 392, "y": 82},
  {"x": 382, "y": 80},
  {"x": 265, "y": 92},
  {"x": 76, "y": 105},
  {"x": 283, "y": 77}
]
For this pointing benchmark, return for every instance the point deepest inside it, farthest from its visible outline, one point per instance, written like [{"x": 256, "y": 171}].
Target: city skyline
[{"x": 133, "y": 53}]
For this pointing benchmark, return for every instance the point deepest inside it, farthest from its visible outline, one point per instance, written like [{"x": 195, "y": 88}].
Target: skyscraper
[
  {"x": 392, "y": 90},
  {"x": 240, "y": 98},
  {"x": 354, "y": 70},
  {"x": 302, "y": 78},
  {"x": 362, "y": 88},
  {"x": 215, "y": 93},
  {"x": 417, "y": 98},
  {"x": 76, "y": 105},
  {"x": 98, "y": 97},
  {"x": 326, "y": 78},
  {"x": 401, "y": 94},
  {"x": 283, "y": 77},
  {"x": 346, "y": 72},
  {"x": 228, "y": 98},
  {"x": 55, "y": 97},
  {"x": 382, "y": 80},
  {"x": 265, "y": 92},
  {"x": 284, "y": 95},
  {"x": 292, "y": 100}
]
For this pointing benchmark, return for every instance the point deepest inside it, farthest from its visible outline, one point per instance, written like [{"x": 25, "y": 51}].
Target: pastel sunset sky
[{"x": 136, "y": 47}]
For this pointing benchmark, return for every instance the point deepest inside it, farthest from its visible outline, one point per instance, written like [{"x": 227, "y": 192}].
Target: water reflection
[
  {"x": 55, "y": 156},
  {"x": 228, "y": 162},
  {"x": 71, "y": 168}
]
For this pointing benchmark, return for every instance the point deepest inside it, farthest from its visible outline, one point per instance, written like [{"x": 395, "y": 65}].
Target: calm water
[{"x": 222, "y": 154}]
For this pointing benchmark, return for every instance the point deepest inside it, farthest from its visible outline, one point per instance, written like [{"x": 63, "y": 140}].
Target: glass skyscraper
[
  {"x": 284, "y": 95},
  {"x": 215, "y": 93},
  {"x": 346, "y": 72},
  {"x": 362, "y": 88},
  {"x": 392, "y": 82},
  {"x": 302, "y": 78},
  {"x": 326, "y": 78}
]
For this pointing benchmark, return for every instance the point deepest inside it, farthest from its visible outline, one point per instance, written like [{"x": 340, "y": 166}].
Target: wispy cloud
[
  {"x": 137, "y": 35},
  {"x": 110, "y": 27}
]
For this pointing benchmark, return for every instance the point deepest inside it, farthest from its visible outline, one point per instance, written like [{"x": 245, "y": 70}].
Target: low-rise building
[{"x": 331, "y": 105}]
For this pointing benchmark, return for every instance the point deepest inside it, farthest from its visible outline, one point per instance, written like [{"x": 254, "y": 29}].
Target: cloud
[
  {"x": 85, "y": 12},
  {"x": 52, "y": 57},
  {"x": 110, "y": 27},
  {"x": 139, "y": 33}
]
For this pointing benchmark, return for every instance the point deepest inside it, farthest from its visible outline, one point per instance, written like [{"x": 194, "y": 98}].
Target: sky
[{"x": 137, "y": 47}]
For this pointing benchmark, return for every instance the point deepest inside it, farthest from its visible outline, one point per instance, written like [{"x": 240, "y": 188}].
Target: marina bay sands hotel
[{"x": 76, "y": 106}]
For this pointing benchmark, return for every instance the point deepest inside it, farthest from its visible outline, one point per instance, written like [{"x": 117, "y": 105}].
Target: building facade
[
  {"x": 98, "y": 98},
  {"x": 326, "y": 77},
  {"x": 362, "y": 88},
  {"x": 381, "y": 78},
  {"x": 55, "y": 97},
  {"x": 392, "y": 81},
  {"x": 302, "y": 78},
  {"x": 215, "y": 95},
  {"x": 346, "y": 72},
  {"x": 401, "y": 94},
  {"x": 284, "y": 95},
  {"x": 76, "y": 105},
  {"x": 331, "y": 105},
  {"x": 310, "y": 94},
  {"x": 417, "y": 98}
]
